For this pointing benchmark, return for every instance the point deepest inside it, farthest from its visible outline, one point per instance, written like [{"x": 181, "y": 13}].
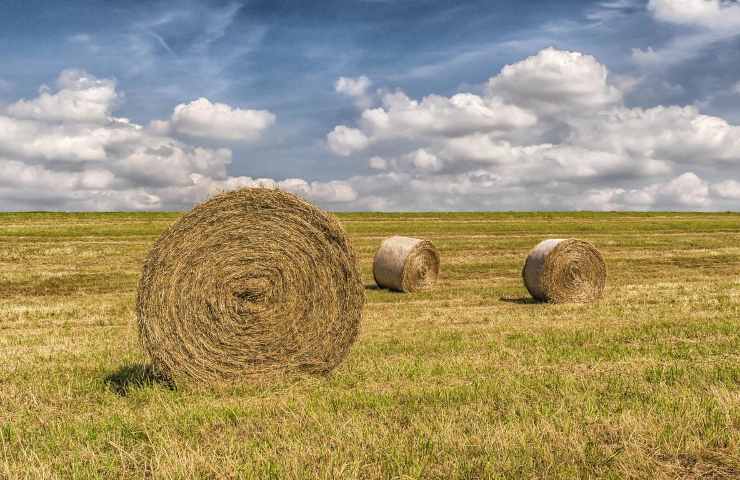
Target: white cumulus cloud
[
  {"x": 65, "y": 149},
  {"x": 356, "y": 88},
  {"x": 377, "y": 163},
  {"x": 706, "y": 13},
  {"x": 551, "y": 132},
  {"x": 345, "y": 140},
  {"x": 729, "y": 189},
  {"x": 80, "y": 98},
  {"x": 556, "y": 82},
  {"x": 201, "y": 118},
  {"x": 437, "y": 115}
]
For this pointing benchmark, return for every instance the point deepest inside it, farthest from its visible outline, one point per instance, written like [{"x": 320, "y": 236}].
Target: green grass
[{"x": 469, "y": 380}]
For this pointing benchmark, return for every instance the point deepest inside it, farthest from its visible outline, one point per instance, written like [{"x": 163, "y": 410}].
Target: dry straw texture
[
  {"x": 560, "y": 271},
  {"x": 406, "y": 264},
  {"x": 250, "y": 282}
]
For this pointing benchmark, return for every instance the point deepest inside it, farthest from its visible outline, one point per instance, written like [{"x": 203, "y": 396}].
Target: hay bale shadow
[
  {"x": 520, "y": 300},
  {"x": 373, "y": 286},
  {"x": 136, "y": 375}
]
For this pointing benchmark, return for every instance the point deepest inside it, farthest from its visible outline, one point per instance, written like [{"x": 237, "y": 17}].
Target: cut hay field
[{"x": 469, "y": 380}]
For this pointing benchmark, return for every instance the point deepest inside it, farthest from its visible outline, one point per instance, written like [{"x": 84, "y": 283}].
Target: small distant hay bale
[
  {"x": 561, "y": 271},
  {"x": 250, "y": 282},
  {"x": 406, "y": 264}
]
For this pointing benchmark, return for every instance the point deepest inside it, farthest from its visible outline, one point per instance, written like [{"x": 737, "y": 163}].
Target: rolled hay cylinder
[
  {"x": 406, "y": 264},
  {"x": 560, "y": 271},
  {"x": 250, "y": 282}
]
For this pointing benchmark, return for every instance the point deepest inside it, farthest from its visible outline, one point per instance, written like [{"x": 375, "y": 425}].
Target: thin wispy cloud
[{"x": 703, "y": 23}]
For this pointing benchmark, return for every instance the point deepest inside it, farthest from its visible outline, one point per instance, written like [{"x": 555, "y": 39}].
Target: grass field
[{"x": 469, "y": 380}]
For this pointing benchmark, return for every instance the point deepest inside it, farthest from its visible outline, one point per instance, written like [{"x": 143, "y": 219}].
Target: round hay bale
[
  {"x": 250, "y": 282},
  {"x": 406, "y": 264},
  {"x": 560, "y": 271}
]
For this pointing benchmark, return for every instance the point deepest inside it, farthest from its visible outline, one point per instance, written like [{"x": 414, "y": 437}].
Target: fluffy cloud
[
  {"x": 438, "y": 115},
  {"x": 401, "y": 117},
  {"x": 556, "y": 82},
  {"x": 729, "y": 189},
  {"x": 80, "y": 98},
  {"x": 37, "y": 177},
  {"x": 344, "y": 140},
  {"x": 536, "y": 163},
  {"x": 707, "y": 13},
  {"x": 334, "y": 191},
  {"x": 356, "y": 88},
  {"x": 685, "y": 191},
  {"x": 550, "y": 132},
  {"x": 201, "y": 118},
  {"x": 708, "y": 22},
  {"x": 377, "y": 163},
  {"x": 425, "y": 161},
  {"x": 677, "y": 134},
  {"x": 551, "y": 83},
  {"x": 64, "y": 149}
]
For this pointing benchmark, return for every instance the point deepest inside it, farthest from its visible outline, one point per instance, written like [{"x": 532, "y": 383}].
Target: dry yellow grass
[{"x": 468, "y": 380}]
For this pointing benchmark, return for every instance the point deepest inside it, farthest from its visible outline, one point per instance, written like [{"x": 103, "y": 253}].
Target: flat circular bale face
[
  {"x": 574, "y": 271},
  {"x": 421, "y": 269},
  {"x": 250, "y": 282}
]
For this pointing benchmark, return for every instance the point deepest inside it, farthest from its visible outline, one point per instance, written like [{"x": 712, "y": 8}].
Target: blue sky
[{"x": 370, "y": 104}]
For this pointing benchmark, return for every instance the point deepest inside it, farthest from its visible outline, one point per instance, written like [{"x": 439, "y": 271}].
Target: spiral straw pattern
[
  {"x": 247, "y": 283},
  {"x": 406, "y": 264},
  {"x": 561, "y": 271}
]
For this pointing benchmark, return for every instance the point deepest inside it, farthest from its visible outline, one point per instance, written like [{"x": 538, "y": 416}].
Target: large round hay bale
[
  {"x": 250, "y": 282},
  {"x": 406, "y": 264},
  {"x": 560, "y": 271}
]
